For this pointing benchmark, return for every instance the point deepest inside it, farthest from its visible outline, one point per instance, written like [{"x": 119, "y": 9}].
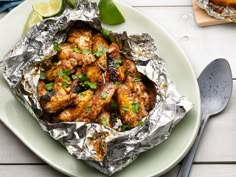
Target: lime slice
[
  {"x": 109, "y": 13},
  {"x": 49, "y": 8},
  {"x": 33, "y": 19}
]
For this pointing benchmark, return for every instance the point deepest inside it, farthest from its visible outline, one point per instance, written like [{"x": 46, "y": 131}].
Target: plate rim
[{"x": 186, "y": 59}]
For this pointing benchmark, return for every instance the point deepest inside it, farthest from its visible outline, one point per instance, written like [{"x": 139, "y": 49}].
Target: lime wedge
[
  {"x": 33, "y": 19},
  {"x": 71, "y": 3},
  {"x": 109, "y": 13},
  {"x": 49, "y": 8}
]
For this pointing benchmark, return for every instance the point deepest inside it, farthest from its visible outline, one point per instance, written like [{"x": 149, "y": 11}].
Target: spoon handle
[{"x": 188, "y": 160}]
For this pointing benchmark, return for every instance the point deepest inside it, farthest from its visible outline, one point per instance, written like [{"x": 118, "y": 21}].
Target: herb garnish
[
  {"x": 125, "y": 127},
  {"x": 42, "y": 75},
  {"x": 104, "y": 95},
  {"x": 87, "y": 109},
  {"x": 118, "y": 83},
  {"x": 85, "y": 51},
  {"x": 100, "y": 51},
  {"x": 135, "y": 107},
  {"x": 65, "y": 84},
  {"x": 49, "y": 86},
  {"x": 114, "y": 105},
  {"x": 56, "y": 46},
  {"x": 92, "y": 85},
  {"x": 104, "y": 121},
  {"x": 140, "y": 123},
  {"x": 76, "y": 50},
  {"x": 137, "y": 79},
  {"x": 125, "y": 108},
  {"x": 64, "y": 74}
]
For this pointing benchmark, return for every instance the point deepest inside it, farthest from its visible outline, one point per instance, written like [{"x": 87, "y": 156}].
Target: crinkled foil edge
[
  {"x": 219, "y": 12},
  {"x": 21, "y": 71}
]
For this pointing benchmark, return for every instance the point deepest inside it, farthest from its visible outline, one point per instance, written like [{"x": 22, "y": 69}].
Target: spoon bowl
[{"x": 215, "y": 83}]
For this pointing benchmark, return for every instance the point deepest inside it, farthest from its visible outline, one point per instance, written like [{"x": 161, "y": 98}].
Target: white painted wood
[
  {"x": 213, "y": 171},
  {"x": 28, "y": 171},
  {"x": 158, "y": 2},
  {"x": 12, "y": 150},
  {"x": 218, "y": 141},
  {"x": 201, "y": 44}
]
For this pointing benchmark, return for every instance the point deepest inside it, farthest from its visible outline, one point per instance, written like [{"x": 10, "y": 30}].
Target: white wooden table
[{"x": 216, "y": 155}]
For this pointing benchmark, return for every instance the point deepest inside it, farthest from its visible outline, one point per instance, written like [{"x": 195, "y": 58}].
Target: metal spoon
[{"x": 215, "y": 83}]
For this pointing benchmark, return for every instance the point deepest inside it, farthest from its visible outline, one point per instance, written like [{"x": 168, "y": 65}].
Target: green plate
[{"x": 153, "y": 162}]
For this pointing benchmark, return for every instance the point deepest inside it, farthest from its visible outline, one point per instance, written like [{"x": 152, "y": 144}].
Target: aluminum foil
[
  {"x": 219, "y": 12},
  {"x": 101, "y": 147}
]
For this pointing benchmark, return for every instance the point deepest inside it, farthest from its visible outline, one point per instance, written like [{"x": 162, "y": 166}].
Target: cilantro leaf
[
  {"x": 76, "y": 50},
  {"x": 125, "y": 127},
  {"x": 137, "y": 79},
  {"x": 104, "y": 95},
  {"x": 100, "y": 51},
  {"x": 87, "y": 108},
  {"x": 56, "y": 46},
  {"x": 85, "y": 51},
  {"x": 135, "y": 107},
  {"x": 91, "y": 85},
  {"x": 104, "y": 121},
  {"x": 49, "y": 86},
  {"x": 65, "y": 84},
  {"x": 42, "y": 75},
  {"x": 140, "y": 123},
  {"x": 125, "y": 108},
  {"x": 118, "y": 83}
]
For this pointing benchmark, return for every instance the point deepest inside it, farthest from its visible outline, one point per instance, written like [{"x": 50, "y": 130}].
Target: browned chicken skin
[{"x": 92, "y": 82}]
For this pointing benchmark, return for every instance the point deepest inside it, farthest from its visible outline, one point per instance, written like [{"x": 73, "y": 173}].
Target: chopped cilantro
[
  {"x": 137, "y": 79},
  {"x": 54, "y": 64},
  {"x": 76, "y": 50},
  {"x": 104, "y": 121},
  {"x": 135, "y": 107},
  {"x": 125, "y": 108},
  {"x": 49, "y": 86},
  {"x": 56, "y": 46},
  {"x": 85, "y": 51},
  {"x": 125, "y": 127},
  {"x": 82, "y": 77},
  {"x": 91, "y": 85},
  {"x": 118, "y": 83},
  {"x": 65, "y": 84},
  {"x": 100, "y": 51},
  {"x": 64, "y": 74},
  {"x": 104, "y": 95},
  {"x": 42, "y": 75},
  {"x": 140, "y": 123},
  {"x": 87, "y": 108}
]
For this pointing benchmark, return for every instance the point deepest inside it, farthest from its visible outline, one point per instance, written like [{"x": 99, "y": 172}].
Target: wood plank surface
[
  {"x": 202, "y": 45},
  {"x": 44, "y": 170},
  {"x": 165, "y": 3}
]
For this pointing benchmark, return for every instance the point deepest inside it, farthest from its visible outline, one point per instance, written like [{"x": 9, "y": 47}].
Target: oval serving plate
[{"x": 151, "y": 163}]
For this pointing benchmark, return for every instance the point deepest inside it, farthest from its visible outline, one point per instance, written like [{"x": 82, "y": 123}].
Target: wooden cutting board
[{"x": 202, "y": 18}]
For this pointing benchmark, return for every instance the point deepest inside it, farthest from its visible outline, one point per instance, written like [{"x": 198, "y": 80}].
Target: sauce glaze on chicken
[{"x": 90, "y": 81}]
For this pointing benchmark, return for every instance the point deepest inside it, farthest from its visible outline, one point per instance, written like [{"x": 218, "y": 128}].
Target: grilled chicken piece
[
  {"x": 100, "y": 99},
  {"x": 81, "y": 37},
  {"x": 52, "y": 74},
  {"x": 104, "y": 119},
  {"x": 41, "y": 89},
  {"x": 72, "y": 113},
  {"x": 114, "y": 51},
  {"x": 68, "y": 51},
  {"x": 59, "y": 100},
  {"x": 98, "y": 41},
  {"x": 93, "y": 73},
  {"x": 139, "y": 91},
  {"x": 130, "y": 109},
  {"x": 131, "y": 69}
]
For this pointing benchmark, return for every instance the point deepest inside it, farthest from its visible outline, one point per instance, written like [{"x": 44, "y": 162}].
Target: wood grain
[
  {"x": 202, "y": 45},
  {"x": 202, "y": 18}
]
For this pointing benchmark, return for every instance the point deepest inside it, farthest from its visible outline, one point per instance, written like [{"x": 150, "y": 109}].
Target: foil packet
[
  {"x": 101, "y": 147},
  {"x": 219, "y": 12}
]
